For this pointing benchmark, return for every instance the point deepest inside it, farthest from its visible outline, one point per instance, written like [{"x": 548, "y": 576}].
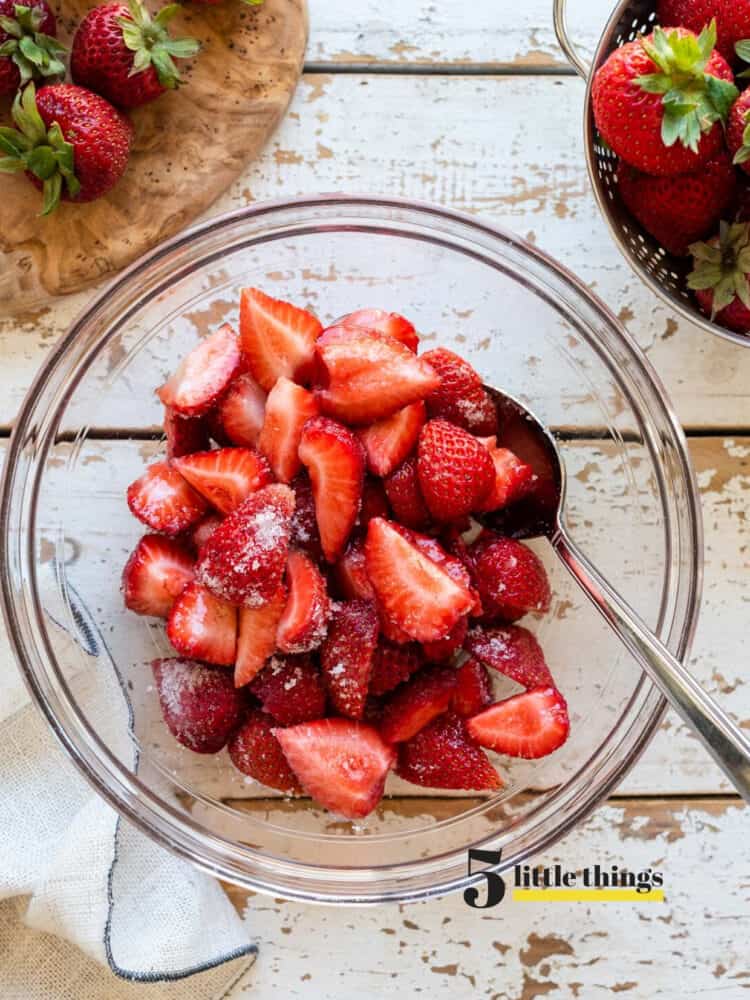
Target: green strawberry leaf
[
  {"x": 41, "y": 162},
  {"x": 742, "y": 49},
  {"x": 10, "y": 26},
  {"x": 51, "y": 191},
  {"x": 722, "y": 95},
  {"x": 10, "y": 165},
  {"x": 182, "y": 48}
]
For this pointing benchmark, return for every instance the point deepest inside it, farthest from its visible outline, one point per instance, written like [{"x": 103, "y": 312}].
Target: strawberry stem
[
  {"x": 37, "y": 56},
  {"x": 152, "y": 45},
  {"x": 723, "y": 267}
]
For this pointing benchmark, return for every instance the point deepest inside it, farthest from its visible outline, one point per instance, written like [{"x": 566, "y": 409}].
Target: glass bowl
[{"x": 91, "y": 423}]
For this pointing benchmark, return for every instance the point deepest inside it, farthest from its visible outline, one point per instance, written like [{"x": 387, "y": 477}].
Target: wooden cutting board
[{"x": 189, "y": 146}]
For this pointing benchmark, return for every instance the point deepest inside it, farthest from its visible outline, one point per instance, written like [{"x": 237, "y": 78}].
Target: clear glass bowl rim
[{"x": 171, "y": 827}]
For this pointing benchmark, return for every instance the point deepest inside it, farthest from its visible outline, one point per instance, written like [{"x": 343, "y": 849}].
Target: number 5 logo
[{"x": 494, "y": 881}]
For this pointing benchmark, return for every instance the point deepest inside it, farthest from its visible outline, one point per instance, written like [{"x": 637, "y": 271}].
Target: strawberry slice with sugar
[
  {"x": 442, "y": 650},
  {"x": 390, "y": 441},
  {"x": 203, "y": 530},
  {"x": 340, "y": 763},
  {"x": 277, "y": 338},
  {"x": 256, "y": 640},
  {"x": 374, "y": 502},
  {"x": 511, "y": 579},
  {"x": 366, "y": 376},
  {"x": 241, "y": 412},
  {"x": 528, "y": 725},
  {"x": 456, "y": 473},
  {"x": 473, "y": 688},
  {"x": 443, "y": 755},
  {"x": 417, "y": 702},
  {"x": 164, "y": 501},
  {"x": 184, "y": 434},
  {"x": 334, "y": 459},
  {"x": 513, "y": 480},
  {"x": 381, "y": 321},
  {"x": 405, "y": 496},
  {"x": 392, "y": 665},
  {"x": 200, "y": 704},
  {"x": 290, "y": 689},
  {"x": 243, "y": 561},
  {"x": 157, "y": 571},
  {"x": 203, "y": 627},
  {"x": 304, "y": 623},
  {"x": 226, "y": 476},
  {"x": 204, "y": 374},
  {"x": 288, "y": 409},
  {"x": 256, "y": 752},
  {"x": 305, "y": 534},
  {"x": 412, "y": 590},
  {"x": 347, "y": 654},
  {"x": 460, "y": 397},
  {"x": 512, "y": 651},
  {"x": 350, "y": 574}
]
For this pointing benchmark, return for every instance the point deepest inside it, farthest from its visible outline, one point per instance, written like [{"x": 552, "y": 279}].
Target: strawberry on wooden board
[
  {"x": 288, "y": 408},
  {"x": 347, "y": 655},
  {"x": 244, "y": 559},
  {"x": 660, "y": 101},
  {"x": 460, "y": 397},
  {"x": 340, "y": 763},
  {"x": 304, "y": 622},
  {"x": 225, "y": 476},
  {"x": 157, "y": 571},
  {"x": 365, "y": 376},
  {"x": 738, "y": 133},
  {"x": 203, "y": 627},
  {"x": 256, "y": 639},
  {"x": 456, "y": 472},
  {"x": 416, "y": 702},
  {"x": 720, "y": 276},
  {"x": 277, "y": 338},
  {"x": 256, "y": 752},
  {"x": 241, "y": 412},
  {"x": 732, "y": 20},
  {"x": 164, "y": 501},
  {"x": 405, "y": 496},
  {"x": 184, "y": 434},
  {"x": 71, "y": 143},
  {"x": 336, "y": 465},
  {"x": 203, "y": 374},
  {"x": 513, "y": 651},
  {"x": 290, "y": 689},
  {"x": 384, "y": 322},
  {"x": 442, "y": 755},
  {"x": 511, "y": 579},
  {"x": 473, "y": 688},
  {"x": 390, "y": 441},
  {"x": 513, "y": 480},
  {"x": 29, "y": 49},
  {"x": 681, "y": 209},
  {"x": 528, "y": 725},
  {"x": 200, "y": 704},
  {"x": 393, "y": 664},
  {"x": 122, "y": 53}
]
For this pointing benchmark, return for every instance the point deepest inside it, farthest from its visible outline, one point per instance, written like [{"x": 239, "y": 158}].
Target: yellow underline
[{"x": 588, "y": 896}]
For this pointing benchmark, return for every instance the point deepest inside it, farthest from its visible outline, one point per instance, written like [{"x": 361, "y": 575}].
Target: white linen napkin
[{"x": 84, "y": 894}]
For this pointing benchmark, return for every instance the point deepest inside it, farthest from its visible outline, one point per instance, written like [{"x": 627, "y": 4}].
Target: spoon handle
[{"x": 726, "y": 743}]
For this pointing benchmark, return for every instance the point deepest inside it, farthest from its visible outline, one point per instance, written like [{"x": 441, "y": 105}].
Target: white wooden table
[{"x": 471, "y": 106}]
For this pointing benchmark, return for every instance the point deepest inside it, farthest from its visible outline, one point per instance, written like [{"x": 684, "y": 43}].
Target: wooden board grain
[{"x": 189, "y": 146}]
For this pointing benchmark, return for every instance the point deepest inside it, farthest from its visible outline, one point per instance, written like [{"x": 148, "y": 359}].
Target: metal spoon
[{"x": 542, "y": 516}]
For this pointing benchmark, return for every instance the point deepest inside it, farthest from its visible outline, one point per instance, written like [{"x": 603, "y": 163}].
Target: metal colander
[{"x": 664, "y": 273}]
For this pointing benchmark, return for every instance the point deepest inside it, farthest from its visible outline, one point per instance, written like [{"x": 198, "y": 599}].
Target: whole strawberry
[
  {"x": 120, "y": 52},
  {"x": 738, "y": 132},
  {"x": 28, "y": 47},
  {"x": 732, "y": 19},
  {"x": 679, "y": 210},
  {"x": 660, "y": 101},
  {"x": 721, "y": 276},
  {"x": 72, "y": 144}
]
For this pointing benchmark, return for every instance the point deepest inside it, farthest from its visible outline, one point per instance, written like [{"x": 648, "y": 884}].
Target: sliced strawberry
[
  {"x": 405, "y": 496},
  {"x": 350, "y": 574},
  {"x": 305, "y": 534},
  {"x": 453, "y": 566},
  {"x": 333, "y": 457},
  {"x": 374, "y": 502},
  {"x": 204, "y": 374},
  {"x": 460, "y": 397},
  {"x": 200, "y": 704},
  {"x": 203, "y": 626},
  {"x": 390, "y": 441},
  {"x": 256, "y": 752},
  {"x": 417, "y": 702},
  {"x": 226, "y": 476},
  {"x": 203, "y": 530},
  {"x": 243, "y": 561},
  {"x": 341, "y": 764},
  {"x": 367, "y": 376},
  {"x": 277, "y": 338},
  {"x": 304, "y": 623},
  {"x": 393, "y": 664},
  {"x": 240, "y": 413},
  {"x": 384, "y": 322},
  {"x": 164, "y": 501},
  {"x": 512, "y": 651},
  {"x": 184, "y": 434},
  {"x": 442, "y": 650},
  {"x": 412, "y": 590},
  {"x": 455, "y": 470},
  {"x": 288, "y": 409},
  {"x": 529, "y": 725},
  {"x": 158, "y": 570},
  {"x": 346, "y": 656},
  {"x": 511, "y": 579},
  {"x": 443, "y": 755},
  {"x": 392, "y": 632},
  {"x": 473, "y": 688},
  {"x": 513, "y": 480},
  {"x": 290, "y": 689},
  {"x": 256, "y": 641}
]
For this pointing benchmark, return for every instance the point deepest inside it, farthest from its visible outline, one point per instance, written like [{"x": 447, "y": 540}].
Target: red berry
[
  {"x": 390, "y": 441},
  {"x": 288, "y": 408},
  {"x": 156, "y": 573},
  {"x": 529, "y": 725},
  {"x": 304, "y": 623},
  {"x": 164, "y": 501},
  {"x": 277, "y": 338},
  {"x": 256, "y": 641},
  {"x": 225, "y": 476},
  {"x": 240, "y": 413},
  {"x": 184, "y": 434},
  {"x": 290, "y": 689},
  {"x": 512, "y": 651},
  {"x": 416, "y": 702},
  {"x": 200, "y": 704},
  {"x": 460, "y": 398},
  {"x": 511, "y": 579},
  {"x": 255, "y": 751},
  {"x": 473, "y": 688},
  {"x": 203, "y": 627},
  {"x": 456, "y": 473},
  {"x": 384, "y": 322},
  {"x": 443, "y": 755},
  {"x": 392, "y": 665},
  {"x": 347, "y": 656},
  {"x": 405, "y": 496},
  {"x": 204, "y": 374}
]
